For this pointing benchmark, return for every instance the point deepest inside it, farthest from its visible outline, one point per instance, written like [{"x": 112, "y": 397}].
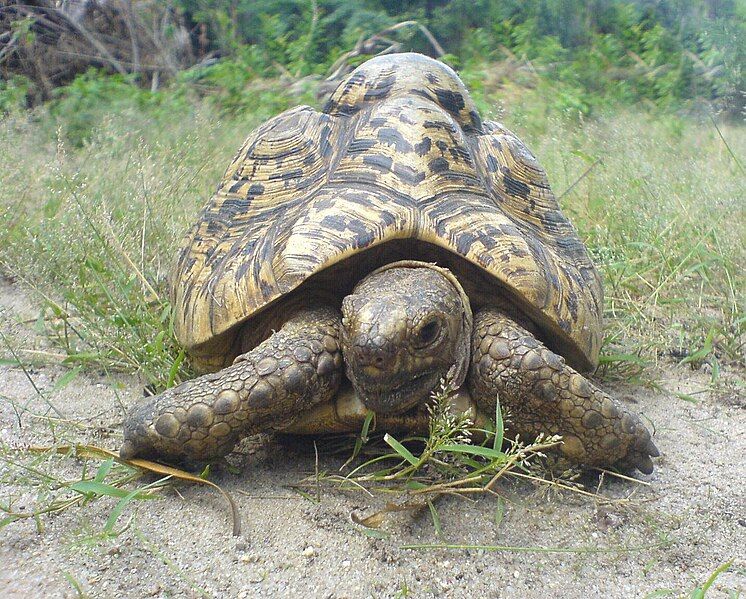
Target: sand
[{"x": 687, "y": 519}]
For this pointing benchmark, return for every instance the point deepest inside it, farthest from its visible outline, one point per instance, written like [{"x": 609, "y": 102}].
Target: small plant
[
  {"x": 112, "y": 479},
  {"x": 449, "y": 463},
  {"x": 56, "y": 494},
  {"x": 701, "y": 591}
]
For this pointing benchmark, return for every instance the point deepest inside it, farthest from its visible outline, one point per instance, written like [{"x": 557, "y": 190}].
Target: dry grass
[{"x": 93, "y": 229}]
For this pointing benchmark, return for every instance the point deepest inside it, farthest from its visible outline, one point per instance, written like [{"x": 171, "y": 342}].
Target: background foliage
[{"x": 585, "y": 54}]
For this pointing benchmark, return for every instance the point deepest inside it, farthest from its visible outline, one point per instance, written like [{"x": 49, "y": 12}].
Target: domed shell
[{"x": 399, "y": 162}]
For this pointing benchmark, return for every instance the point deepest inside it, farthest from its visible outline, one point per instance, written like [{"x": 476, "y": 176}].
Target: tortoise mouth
[{"x": 400, "y": 398}]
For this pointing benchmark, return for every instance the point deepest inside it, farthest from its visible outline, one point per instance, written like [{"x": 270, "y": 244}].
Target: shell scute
[{"x": 399, "y": 153}]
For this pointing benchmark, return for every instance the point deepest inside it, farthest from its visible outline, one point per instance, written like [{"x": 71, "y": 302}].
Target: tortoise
[{"x": 353, "y": 258}]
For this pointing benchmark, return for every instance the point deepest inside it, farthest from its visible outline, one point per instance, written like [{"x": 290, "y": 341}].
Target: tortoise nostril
[{"x": 373, "y": 356}]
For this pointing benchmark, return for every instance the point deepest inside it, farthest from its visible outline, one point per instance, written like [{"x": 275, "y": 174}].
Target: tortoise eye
[{"x": 428, "y": 333}]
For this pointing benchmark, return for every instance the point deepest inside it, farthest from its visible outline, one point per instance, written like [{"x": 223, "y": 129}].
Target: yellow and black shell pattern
[{"x": 398, "y": 154}]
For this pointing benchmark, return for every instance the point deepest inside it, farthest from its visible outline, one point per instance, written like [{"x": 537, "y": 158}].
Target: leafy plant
[{"x": 448, "y": 463}]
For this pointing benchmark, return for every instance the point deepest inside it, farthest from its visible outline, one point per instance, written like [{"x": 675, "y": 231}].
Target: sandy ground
[{"x": 688, "y": 519}]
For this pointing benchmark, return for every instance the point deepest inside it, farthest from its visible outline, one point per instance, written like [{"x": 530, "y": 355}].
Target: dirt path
[{"x": 689, "y": 519}]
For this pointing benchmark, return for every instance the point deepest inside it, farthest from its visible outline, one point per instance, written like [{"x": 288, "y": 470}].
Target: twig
[
  {"x": 30, "y": 379},
  {"x": 738, "y": 162},
  {"x": 93, "y": 41},
  {"x": 622, "y": 476},
  {"x": 579, "y": 179},
  {"x": 553, "y": 483}
]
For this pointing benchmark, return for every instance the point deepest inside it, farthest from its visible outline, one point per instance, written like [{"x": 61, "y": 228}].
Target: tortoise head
[{"x": 405, "y": 327}]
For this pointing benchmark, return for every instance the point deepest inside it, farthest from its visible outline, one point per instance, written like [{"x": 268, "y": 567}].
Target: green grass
[
  {"x": 93, "y": 229},
  {"x": 92, "y": 210}
]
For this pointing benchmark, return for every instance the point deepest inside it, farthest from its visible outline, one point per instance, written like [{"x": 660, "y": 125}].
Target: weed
[
  {"x": 448, "y": 463},
  {"x": 700, "y": 591},
  {"x": 56, "y": 494}
]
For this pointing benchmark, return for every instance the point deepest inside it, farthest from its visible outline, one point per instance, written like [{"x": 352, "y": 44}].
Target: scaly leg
[
  {"x": 264, "y": 389},
  {"x": 544, "y": 395}
]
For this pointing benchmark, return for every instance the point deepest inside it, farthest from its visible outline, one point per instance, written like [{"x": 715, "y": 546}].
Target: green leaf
[
  {"x": 486, "y": 452},
  {"x": 362, "y": 438},
  {"x": 157, "y": 343},
  {"x": 473, "y": 464},
  {"x": 8, "y": 520},
  {"x": 701, "y": 353},
  {"x": 366, "y": 425},
  {"x": 174, "y": 370},
  {"x": 117, "y": 511},
  {"x": 93, "y": 488},
  {"x": 414, "y": 485},
  {"x": 82, "y": 357},
  {"x": 499, "y": 512},
  {"x": 400, "y": 449},
  {"x": 435, "y": 517},
  {"x": 629, "y": 358},
  {"x": 66, "y": 378},
  {"x": 700, "y": 592},
  {"x": 103, "y": 470},
  {"x": 119, "y": 507},
  {"x": 373, "y": 532},
  {"x": 499, "y": 426},
  {"x": 587, "y": 158}
]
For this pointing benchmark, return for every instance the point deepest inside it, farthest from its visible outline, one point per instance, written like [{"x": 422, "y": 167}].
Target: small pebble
[
  {"x": 309, "y": 551},
  {"x": 154, "y": 590},
  {"x": 346, "y": 564}
]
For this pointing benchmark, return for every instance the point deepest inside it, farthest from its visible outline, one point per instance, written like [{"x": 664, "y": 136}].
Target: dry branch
[{"x": 51, "y": 42}]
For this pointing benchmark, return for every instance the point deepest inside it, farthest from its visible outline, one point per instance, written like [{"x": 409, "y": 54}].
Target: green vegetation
[
  {"x": 96, "y": 196},
  {"x": 450, "y": 459},
  {"x": 633, "y": 108},
  {"x": 580, "y": 55}
]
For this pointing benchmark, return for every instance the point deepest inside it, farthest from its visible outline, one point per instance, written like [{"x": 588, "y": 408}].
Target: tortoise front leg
[
  {"x": 264, "y": 389},
  {"x": 544, "y": 395}
]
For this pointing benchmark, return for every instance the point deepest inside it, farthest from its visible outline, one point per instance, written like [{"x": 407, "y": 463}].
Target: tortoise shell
[{"x": 398, "y": 165}]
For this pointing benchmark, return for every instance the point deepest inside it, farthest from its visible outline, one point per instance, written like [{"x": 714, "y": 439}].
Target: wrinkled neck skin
[{"x": 405, "y": 327}]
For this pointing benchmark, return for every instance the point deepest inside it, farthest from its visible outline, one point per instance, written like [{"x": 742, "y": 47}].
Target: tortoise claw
[
  {"x": 644, "y": 464},
  {"x": 652, "y": 449},
  {"x": 640, "y": 459}
]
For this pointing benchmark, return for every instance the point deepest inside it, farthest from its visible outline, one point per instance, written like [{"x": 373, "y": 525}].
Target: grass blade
[
  {"x": 485, "y": 452},
  {"x": 93, "y": 488},
  {"x": 400, "y": 449},
  {"x": 119, "y": 507},
  {"x": 361, "y": 440},
  {"x": 499, "y": 426},
  {"x": 436, "y": 519}
]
